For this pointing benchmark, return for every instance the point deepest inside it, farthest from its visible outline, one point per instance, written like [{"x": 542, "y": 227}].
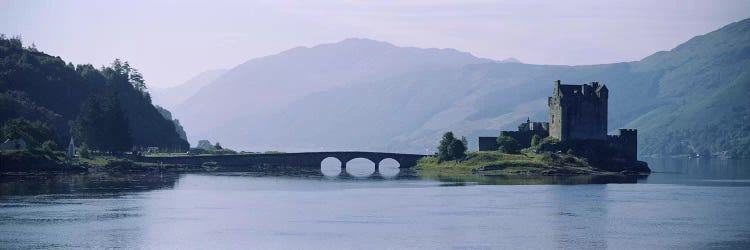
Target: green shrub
[
  {"x": 508, "y": 145},
  {"x": 50, "y": 146},
  {"x": 84, "y": 151},
  {"x": 535, "y": 140}
]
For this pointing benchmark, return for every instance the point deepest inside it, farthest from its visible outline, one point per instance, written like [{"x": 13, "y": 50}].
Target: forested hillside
[{"x": 38, "y": 87}]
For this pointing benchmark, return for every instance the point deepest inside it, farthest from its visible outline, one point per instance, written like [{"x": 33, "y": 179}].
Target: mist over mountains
[
  {"x": 173, "y": 96},
  {"x": 361, "y": 94}
]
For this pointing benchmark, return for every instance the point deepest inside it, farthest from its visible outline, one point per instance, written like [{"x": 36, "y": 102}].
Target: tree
[
  {"x": 88, "y": 127},
  {"x": 451, "y": 148},
  {"x": 136, "y": 79},
  {"x": 457, "y": 150},
  {"x": 84, "y": 151},
  {"x": 102, "y": 125},
  {"x": 535, "y": 140},
  {"x": 117, "y": 124},
  {"x": 443, "y": 152},
  {"x": 204, "y": 144},
  {"x": 507, "y": 144},
  {"x": 50, "y": 146},
  {"x": 218, "y": 146},
  {"x": 33, "y": 132}
]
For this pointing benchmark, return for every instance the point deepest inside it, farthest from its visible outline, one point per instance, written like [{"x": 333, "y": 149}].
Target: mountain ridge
[{"x": 313, "y": 70}]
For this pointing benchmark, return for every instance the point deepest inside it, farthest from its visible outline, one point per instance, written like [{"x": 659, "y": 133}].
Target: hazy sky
[{"x": 171, "y": 41}]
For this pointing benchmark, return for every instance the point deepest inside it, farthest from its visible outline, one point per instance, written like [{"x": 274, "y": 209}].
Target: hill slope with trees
[{"x": 39, "y": 87}]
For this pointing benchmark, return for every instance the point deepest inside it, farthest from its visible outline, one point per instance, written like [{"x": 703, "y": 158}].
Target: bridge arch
[
  {"x": 331, "y": 166},
  {"x": 389, "y": 163},
  {"x": 389, "y": 167},
  {"x": 360, "y": 167}
]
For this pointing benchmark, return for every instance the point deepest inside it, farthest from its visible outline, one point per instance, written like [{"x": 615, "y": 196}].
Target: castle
[{"x": 577, "y": 115}]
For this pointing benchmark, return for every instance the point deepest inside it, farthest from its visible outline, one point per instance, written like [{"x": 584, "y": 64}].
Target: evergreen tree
[
  {"x": 443, "y": 152},
  {"x": 117, "y": 123},
  {"x": 457, "y": 150},
  {"x": 89, "y": 127},
  {"x": 102, "y": 125}
]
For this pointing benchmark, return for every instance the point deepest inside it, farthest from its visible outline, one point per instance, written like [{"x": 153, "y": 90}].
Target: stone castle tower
[{"x": 578, "y": 112}]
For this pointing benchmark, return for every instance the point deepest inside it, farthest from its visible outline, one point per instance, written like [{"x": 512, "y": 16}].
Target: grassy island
[
  {"x": 495, "y": 163},
  {"x": 494, "y": 167},
  {"x": 545, "y": 158}
]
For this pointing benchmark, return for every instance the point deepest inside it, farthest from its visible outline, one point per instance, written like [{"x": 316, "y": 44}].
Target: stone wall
[
  {"x": 488, "y": 144},
  {"x": 625, "y": 144}
]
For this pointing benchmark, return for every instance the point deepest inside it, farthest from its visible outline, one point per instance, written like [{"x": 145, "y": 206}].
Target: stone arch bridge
[{"x": 307, "y": 159}]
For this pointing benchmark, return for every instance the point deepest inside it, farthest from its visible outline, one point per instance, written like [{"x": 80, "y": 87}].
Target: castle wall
[
  {"x": 488, "y": 144},
  {"x": 625, "y": 143}
]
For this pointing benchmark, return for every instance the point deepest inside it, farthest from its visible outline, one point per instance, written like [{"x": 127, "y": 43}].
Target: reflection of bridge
[{"x": 309, "y": 159}]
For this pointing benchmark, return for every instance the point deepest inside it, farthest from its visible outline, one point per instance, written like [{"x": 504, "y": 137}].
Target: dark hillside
[{"x": 49, "y": 89}]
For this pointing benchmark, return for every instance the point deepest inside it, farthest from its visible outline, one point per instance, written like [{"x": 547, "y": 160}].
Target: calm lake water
[{"x": 687, "y": 204}]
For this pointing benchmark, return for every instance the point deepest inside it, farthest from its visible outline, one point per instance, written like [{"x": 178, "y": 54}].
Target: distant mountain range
[
  {"x": 361, "y": 94},
  {"x": 173, "y": 96}
]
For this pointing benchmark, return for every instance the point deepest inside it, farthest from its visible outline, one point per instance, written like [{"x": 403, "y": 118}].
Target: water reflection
[
  {"x": 330, "y": 167},
  {"x": 389, "y": 168},
  {"x": 713, "y": 172},
  {"x": 294, "y": 208},
  {"x": 579, "y": 218},
  {"x": 94, "y": 183},
  {"x": 704, "y": 172},
  {"x": 360, "y": 167}
]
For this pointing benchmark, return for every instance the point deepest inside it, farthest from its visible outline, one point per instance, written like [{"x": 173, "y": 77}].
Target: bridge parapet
[{"x": 305, "y": 159}]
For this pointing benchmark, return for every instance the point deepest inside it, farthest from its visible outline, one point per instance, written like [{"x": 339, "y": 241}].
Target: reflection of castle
[{"x": 577, "y": 113}]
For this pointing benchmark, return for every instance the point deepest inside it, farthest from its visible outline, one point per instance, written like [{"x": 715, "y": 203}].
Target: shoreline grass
[{"x": 489, "y": 163}]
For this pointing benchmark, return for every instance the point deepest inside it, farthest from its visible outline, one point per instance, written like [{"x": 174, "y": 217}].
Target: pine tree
[
  {"x": 457, "y": 150},
  {"x": 102, "y": 125},
  {"x": 117, "y": 123},
  {"x": 443, "y": 152}
]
